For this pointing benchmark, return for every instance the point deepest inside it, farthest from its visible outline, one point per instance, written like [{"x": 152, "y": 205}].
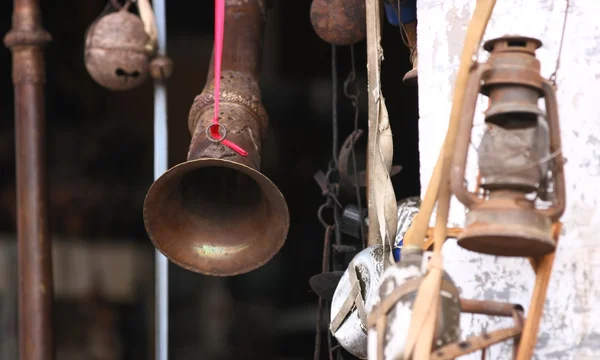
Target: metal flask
[
  {"x": 357, "y": 290},
  {"x": 118, "y": 50},
  {"x": 407, "y": 274}
]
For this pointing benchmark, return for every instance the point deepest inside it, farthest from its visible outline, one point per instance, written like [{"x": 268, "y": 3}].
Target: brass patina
[{"x": 216, "y": 213}]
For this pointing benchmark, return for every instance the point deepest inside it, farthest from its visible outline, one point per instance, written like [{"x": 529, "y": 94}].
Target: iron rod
[
  {"x": 26, "y": 41},
  {"x": 160, "y": 166},
  {"x": 488, "y": 307}
]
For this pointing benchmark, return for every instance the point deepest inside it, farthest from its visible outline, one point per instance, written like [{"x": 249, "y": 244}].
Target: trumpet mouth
[{"x": 216, "y": 217}]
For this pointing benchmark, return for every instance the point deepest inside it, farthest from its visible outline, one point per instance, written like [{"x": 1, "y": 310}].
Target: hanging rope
[{"x": 217, "y": 131}]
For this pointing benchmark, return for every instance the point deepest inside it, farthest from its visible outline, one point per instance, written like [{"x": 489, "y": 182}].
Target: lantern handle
[
  {"x": 558, "y": 174},
  {"x": 457, "y": 174}
]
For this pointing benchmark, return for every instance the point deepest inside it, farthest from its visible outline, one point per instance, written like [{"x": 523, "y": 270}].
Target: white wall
[
  {"x": 116, "y": 268},
  {"x": 571, "y": 325}
]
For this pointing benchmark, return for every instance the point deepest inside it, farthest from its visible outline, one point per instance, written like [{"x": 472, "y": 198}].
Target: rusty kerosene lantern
[
  {"x": 520, "y": 154},
  {"x": 118, "y": 49},
  {"x": 339, "y": 22}
]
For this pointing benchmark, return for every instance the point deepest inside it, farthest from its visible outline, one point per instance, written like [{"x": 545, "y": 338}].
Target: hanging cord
[
  {"x": 216, "y": 127},
  {"x": 562, "y": 38},
  {"x": 324, "y": 268},
  {"x": 334, "y": 139},
  {"x": 402, "y": 28},
  {"x": 351, "y": 82},
  {"x": 330, "y": 189}
]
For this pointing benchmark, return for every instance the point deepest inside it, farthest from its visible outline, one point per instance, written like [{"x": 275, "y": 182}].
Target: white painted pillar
[{"x": 571, "y": 325}]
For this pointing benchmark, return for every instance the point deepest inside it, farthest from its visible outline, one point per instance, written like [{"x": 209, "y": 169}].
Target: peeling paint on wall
[{"x": 570, "y": 328}]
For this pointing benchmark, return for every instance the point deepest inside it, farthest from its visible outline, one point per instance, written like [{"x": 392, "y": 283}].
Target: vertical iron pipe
[{"x": 26, "y": 40}]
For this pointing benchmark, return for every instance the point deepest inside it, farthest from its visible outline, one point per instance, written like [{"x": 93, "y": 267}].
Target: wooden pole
[{"x": 26, "y": 40}]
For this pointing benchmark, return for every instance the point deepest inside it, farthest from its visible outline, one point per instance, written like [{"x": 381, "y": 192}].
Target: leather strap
[
  {"x": 378, "y": 316},
  {"x": 353, "y": 300},
  {"x": 381, "y": 198}
]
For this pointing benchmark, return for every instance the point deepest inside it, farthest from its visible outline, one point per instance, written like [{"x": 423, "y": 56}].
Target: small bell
[
  {"x": 339, "y": 22},
  {"x": 118, "y": 50}
]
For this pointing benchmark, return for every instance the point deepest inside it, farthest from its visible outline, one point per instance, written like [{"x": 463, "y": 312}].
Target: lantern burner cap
[{"x": 513, "y": 43}]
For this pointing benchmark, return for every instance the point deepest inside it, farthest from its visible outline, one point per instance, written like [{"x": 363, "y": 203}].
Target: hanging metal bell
[
  {"x": 117, "y": 51},
  {"x": 404, "y": 277},
  {"x": 339, "y": 22}
]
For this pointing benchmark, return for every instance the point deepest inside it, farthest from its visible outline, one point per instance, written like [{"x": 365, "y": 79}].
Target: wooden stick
[
  {"x": 416, "y": 232},
  {"x": 425, "y": 312},
  {"x": 536, "y": 306},
  {"x": 451, "y": 233}
]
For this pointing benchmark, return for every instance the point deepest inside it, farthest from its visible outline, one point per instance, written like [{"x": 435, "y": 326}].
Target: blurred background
[{"x": 100, "y": 159}]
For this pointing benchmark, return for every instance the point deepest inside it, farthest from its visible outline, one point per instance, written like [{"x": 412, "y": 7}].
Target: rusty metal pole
[{"x": 26, "y": 41}]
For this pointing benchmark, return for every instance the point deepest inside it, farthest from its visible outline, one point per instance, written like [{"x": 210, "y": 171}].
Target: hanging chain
[
  {"x": 330, "y": 189},
  {"x": 562, "y": 38},
  {"x": 352, "y": 92},
  {"x": 329, "y": 181}
]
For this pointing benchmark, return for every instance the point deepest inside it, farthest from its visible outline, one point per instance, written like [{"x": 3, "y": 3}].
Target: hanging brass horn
[{"x": 216, "y": 213}]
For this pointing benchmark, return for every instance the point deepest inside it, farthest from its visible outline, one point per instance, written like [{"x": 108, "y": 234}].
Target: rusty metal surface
[
  {"x": 483, "y": 341},
  {"x": 26, "y": 41},
  {"x": 516, "y": 153},
  {"x": 339, "y": 22},
  {"x": 116, "y": 50},
  {"x": 489, "y": 307},
  {"x": 507, "y": 225},
  {"x": 161, "y": 68},
  {"x": 216, "y": 213}
]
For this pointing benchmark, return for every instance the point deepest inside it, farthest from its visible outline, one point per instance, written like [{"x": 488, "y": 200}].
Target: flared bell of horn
[{"x": 216, "y": 213}]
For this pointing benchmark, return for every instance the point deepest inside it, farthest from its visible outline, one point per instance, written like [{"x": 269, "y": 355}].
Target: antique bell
[
  {"x": 519, "y": 156},
  {"x": 216, "y": 213},
  {"x": 357, "y": 290},
  {"x": 339, "y": 22},
  {"x": 118, "y": 50}
]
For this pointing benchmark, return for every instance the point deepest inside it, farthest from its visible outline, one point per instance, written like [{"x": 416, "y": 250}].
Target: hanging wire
[
  {"x": 562, "y": 38},
  {"x": 401, "y": 27},
  {"x": 351, "y": 82},
  {"x": 322, "y": 302},
  {"x": 334, "y": 140},
  {"x": 329, "y": 189}
]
